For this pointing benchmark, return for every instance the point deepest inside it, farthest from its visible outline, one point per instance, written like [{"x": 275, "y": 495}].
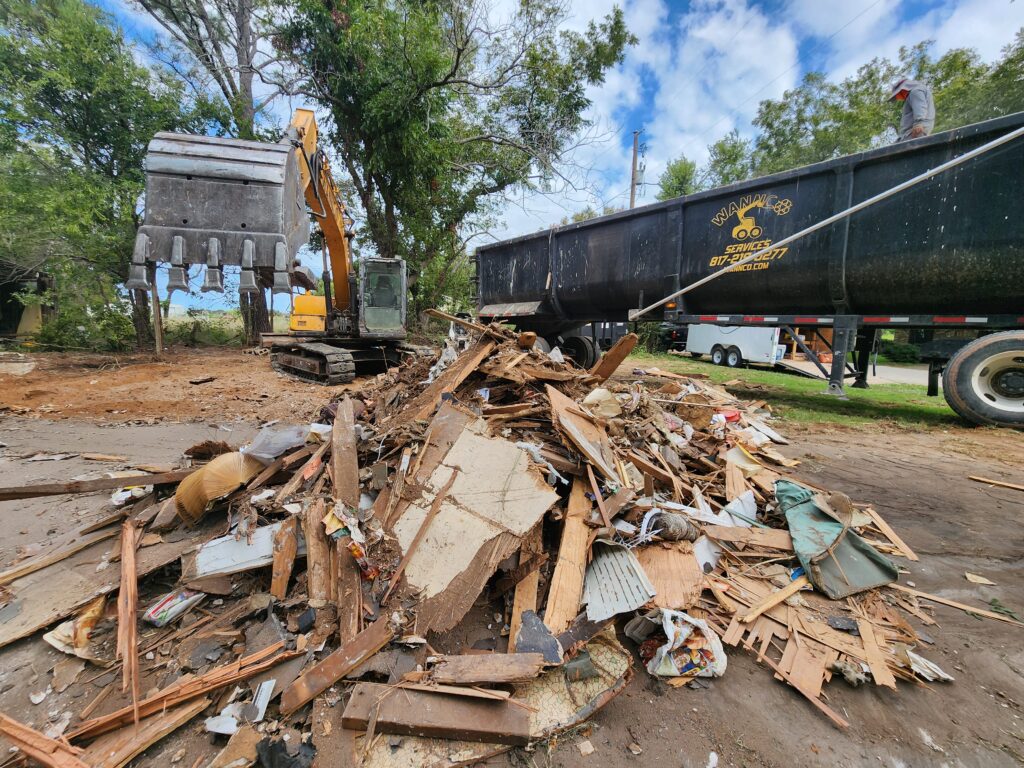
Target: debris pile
[{"x": 434, "y": 571}]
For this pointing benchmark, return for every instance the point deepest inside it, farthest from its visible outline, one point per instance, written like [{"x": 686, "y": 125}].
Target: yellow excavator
[{"x": 218, "y": 202}]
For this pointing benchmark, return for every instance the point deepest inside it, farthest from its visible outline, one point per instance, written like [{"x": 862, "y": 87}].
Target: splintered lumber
[
  {"x": 613, "y": 358},
  {"x": 318, "y": 554},
  {"x": 525, "y": 598},
  {"x": 334, "y": 667},
  {"x": 773, "y": 538},
  {"x": 774, "y": 599},
  {"x": 286, "y": 545},
  {"x": 127, "y": 629},
  {"x": 876, "y": 661},
  {"x": 675, "y": 574},
  {"x": 11, "y": 493},
  {"x": 890, "y": 534},
  {"x": 955, "y": 604},
  {"x": 406, "y": 712},
  {"x": 188, "y": 689},
  {"x": 566, "y": 590},
  {"x": 344, "y": 459},
  {"x": 526, "y": 340},
  {"x": 469, "y": 324},
  {"x": 488, "y": 668},
  {"x": 42, "y": 749},
  {"x": 279, "y": 464},
  {"x": 119, "y": 748},
  {"x": 998, "y": 483}
]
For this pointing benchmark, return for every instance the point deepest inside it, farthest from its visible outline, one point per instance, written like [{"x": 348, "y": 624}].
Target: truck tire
[
  {"x": 542, "y": 345},
  {"x": 718, "y": 355},
  {"x": 984, "y": 381},
  {"x": 734, "y": 358},
  {"x": 582, "y": 350}
]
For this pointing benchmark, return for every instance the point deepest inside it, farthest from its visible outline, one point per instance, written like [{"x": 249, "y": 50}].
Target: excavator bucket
[{"x": 217, "y": 202}]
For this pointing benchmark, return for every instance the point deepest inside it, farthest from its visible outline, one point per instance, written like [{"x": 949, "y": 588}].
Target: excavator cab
[{"x": 382, "y": 302}]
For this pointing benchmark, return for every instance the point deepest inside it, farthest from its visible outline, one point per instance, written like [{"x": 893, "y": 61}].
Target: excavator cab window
[{"x": 383, "y": 299}]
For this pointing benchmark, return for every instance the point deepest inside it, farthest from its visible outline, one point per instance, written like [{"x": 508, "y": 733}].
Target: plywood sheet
[{"x": 674, "y": 573}]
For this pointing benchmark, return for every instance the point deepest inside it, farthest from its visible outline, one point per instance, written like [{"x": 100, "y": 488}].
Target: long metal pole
[
  {"x": 632, "y": 175},
  {"x": 637, "y": 313}
]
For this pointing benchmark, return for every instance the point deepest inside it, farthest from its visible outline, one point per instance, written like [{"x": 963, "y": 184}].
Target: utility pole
[{"x": 632, "y": 176}]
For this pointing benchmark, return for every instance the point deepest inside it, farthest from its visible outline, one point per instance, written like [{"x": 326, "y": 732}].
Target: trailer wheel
[
  {"x": 734, "y": 358},
  {"x": 984, "y": 380},
  {"x": 582, "y": 350},
  {"x": 718, "y": 355}
]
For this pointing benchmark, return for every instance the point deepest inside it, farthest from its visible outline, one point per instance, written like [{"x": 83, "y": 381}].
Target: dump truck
[
  {"x": 946, "y": 253},
  {"x": 214, "y": 202}
]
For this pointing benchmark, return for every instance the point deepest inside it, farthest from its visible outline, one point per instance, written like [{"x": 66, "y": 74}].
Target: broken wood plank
[
  {"x": 334, "y": 667},
  {"x": 14, "y": 492},
  {"x": 774, "y": 599},
  {"x": 469, "y": 324},
  {"x": 318, "y": 554},
  {"x": 423, "y": 405},
  {"x": 876, "y": 661},
  {"x": 387, "y": 709},
  {"x": 566, "y": 589},
  {"x": 998, "y": 483},
  {"x": 117, "y": 749},
  {"x": 344, "y": 459},
  {"x": 279, "y": 464},
  {"x": 591, "y": 440},
  {"x": 286, "y": 545},
  {"x": 890, "y": 534},
  {"x": 598, "y": 498},
  {"x": 487, "y": 668},
  {"x": 525, "y": 598},
  {"x": 310, "y": 468},
  {"x": 773, "y": 538},
  {"x": 955, "y": 604},
  {"x": 127, "y": 628},
  {"x": 42, "y": 749},
  {"x": 613, "y": 358},
  {"x": 474, "y": 692}
]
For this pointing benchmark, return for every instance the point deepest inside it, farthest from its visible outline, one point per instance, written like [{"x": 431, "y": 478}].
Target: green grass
[{"x": 799, "y": 399}]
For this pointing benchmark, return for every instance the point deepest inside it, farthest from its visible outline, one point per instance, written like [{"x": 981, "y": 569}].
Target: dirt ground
[{"x": 918, "y": 481}]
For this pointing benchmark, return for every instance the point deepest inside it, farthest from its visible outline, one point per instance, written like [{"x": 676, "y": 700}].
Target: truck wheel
[
  {"x": 734, "y": 358},
  {"x": 984, "y": 380},
  {"x": 582, "y": 350},
  {"x": 542, "y": 345},
  {"x": 717, "y": 355}
]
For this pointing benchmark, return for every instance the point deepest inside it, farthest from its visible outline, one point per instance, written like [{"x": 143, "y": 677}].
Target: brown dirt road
[{"x": 917, "y": 480}]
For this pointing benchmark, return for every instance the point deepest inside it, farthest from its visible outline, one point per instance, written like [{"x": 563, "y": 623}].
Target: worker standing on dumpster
[{"x": 918, "y": 108}]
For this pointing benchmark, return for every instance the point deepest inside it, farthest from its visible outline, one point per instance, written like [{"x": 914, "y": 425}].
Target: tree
[
  {"x": 224, "y": 37},
  {"x": 437, "y": 108},
  {"x": 678, "y": 179},
  {"x": 76, "y": 113},
  {"x": 729, "y": 161}
]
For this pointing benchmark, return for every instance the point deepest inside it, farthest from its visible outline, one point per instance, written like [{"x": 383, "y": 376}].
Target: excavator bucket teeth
[{"x": 217, "y": 202}]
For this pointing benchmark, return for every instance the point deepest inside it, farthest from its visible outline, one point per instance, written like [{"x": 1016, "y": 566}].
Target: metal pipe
[{"x": 637, "y": 313}]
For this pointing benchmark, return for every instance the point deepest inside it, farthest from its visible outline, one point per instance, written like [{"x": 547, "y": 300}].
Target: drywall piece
[
  {"x": 226, "y": 555},
  {"x": 615, "y": 583},
  {"x": 482, "y": 518}
]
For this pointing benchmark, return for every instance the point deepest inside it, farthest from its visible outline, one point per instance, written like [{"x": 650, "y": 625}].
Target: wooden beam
[
  {"x": 344, "y": 456},
  {"x": 127, "y": 628},
  {"x": 14, "y": 492},
  {"x": 999, "y": 483},
  {"x": 487, "y": 668},
  {"x": 469, "y": 324},
  {"x": 526, "y": 590},
  {"x": 334, "y": 667},
  {"x": 387, "y": 709},
  {"x": 613, "y": 358},
  {"x": 318, "y": 554},
  {"x": 566, "y": 590},
  {"x": 955, "y": 604}
]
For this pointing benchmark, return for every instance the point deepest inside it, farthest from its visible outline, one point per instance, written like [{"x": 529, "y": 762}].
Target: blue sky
[{"x": 699, "y": 70}]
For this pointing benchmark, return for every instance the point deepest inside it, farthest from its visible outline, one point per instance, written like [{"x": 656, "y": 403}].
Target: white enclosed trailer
[{"x": 734, "y": 345}]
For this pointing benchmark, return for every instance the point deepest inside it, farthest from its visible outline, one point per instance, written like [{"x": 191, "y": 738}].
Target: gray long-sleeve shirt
[{"x": 918, "y": 109}]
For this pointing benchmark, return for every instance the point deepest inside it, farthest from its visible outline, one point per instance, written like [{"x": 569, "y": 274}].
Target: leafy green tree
[
  {"x": 76, "y": 113},
  {"x": 437, "y": 109},
  {"x": 679, "y": 178},
  {"x": 729, "y": 161}
]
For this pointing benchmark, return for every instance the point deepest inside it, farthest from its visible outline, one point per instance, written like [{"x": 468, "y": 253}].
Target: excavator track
[{"x": 318, "y": 363}]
